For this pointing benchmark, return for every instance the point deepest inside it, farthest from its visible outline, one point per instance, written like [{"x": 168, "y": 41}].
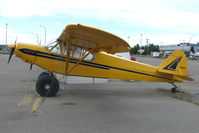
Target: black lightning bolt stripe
[
  {"x": 173, "y": 65},
  {"x": 85, "y": 63}
]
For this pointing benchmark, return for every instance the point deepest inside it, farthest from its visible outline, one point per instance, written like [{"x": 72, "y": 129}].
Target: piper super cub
[{"x": 88, "y": 52}]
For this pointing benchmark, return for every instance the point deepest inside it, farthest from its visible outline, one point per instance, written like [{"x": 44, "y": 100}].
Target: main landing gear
[
  {"x": 47, "y": 85},
  {"x": 174, "y": 89}
]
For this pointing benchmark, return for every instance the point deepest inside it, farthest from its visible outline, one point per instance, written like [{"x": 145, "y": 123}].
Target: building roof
[{"x": 185, "y": 46}]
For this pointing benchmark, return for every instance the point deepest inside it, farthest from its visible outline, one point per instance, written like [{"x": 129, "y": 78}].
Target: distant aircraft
[{"x": 88, "y": 52}]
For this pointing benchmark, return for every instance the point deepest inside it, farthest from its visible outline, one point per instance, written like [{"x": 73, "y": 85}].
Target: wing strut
[
  {"x": 54, "y": 46},
  {"x": 67, "y": 56},
  {"x": 84, "y": 55}
]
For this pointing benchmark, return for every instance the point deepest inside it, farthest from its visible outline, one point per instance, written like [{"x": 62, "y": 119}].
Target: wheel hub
[{"x": 47, "y": 86}]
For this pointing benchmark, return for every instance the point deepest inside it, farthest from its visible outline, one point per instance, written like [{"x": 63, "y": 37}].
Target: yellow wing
[{"x": 92, "y": 38}]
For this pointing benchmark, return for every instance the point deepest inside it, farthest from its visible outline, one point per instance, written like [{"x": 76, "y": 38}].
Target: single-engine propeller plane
[{"x": 88, "y": 52}]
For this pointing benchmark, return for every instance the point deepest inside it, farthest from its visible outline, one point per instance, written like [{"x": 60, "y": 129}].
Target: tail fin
[{"x": 175, "y": 64}]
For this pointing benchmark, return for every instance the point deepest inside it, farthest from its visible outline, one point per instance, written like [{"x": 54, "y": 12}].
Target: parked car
[
  {"x": 194, "y": 56},
  {"x": 155, "y": 54},
  {"x": 133, "y": 58},
  {"x": 167, "y": 53}
]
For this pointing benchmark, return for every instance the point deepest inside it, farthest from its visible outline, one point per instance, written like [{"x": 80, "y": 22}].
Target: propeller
[
  {"x": 11, "y": 53},
  {"x": 12, "y": 48}
]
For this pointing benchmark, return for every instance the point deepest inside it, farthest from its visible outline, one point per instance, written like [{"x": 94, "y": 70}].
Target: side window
[
  {"x": 55, "y": 49},
  {"x": 89, "y": 57},
  {"x": 75, "y": 52},
  {"x": 78, "y": 52}
]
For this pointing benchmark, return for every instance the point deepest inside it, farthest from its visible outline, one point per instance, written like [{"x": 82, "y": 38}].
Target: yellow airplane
[{"x": 85, "y": 51}]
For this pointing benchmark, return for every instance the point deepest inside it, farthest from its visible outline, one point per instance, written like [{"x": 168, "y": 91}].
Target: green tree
[
  {"x": 147, "y": 49},
  {"x": 134, "y": 50}
]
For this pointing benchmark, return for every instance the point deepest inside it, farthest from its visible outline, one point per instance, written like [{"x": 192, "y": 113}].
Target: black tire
[
  {"x": 46, "y": 82},
  {"x": 43, "y": 73},
  {"x": 174, "y": 90}
]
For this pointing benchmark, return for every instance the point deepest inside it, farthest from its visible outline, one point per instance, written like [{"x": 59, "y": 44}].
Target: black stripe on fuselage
[
  {"x": 59, "y": 58},
  {"x": 86, "y": 63}
]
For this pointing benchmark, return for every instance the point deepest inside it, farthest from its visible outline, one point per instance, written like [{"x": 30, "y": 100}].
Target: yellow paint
[
  {"x": 26, "y": 100},
  {"x": 33, "y": 88},
  {"x": 35, "y": 105},
  {"x": 88, "y": 38}
]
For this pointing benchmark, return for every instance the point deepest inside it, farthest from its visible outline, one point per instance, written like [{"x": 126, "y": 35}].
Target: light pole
[
  {"x": 44, "y": 32},
  {"x": 37, "y": 37},
  {"x": 191, "y": 38},
  {"x": 147, "y": 42},
  {"x": 128, "y": 38},
  {"x": 6, "y": 32},
  {"x": 140, "y": 39}
]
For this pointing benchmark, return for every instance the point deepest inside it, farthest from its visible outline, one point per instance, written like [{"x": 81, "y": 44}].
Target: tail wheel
[{"x": 47, "y": 84}]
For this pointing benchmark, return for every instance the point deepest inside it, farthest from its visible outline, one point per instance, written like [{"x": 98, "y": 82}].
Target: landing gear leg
[{"x": 174, "y": 89}]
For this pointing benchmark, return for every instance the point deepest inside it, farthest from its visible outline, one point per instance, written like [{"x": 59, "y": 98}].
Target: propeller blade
[
  {"x": 12, "y": 47},
  {"x": 31, "y": 67},
  {"x": 11, "y": 53}
]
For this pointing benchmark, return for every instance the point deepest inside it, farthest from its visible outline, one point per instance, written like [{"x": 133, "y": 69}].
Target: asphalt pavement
[{"x": 105, "y": 106}]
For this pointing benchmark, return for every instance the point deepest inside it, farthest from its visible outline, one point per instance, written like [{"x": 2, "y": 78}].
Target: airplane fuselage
[{"x": 102, "y": 65}]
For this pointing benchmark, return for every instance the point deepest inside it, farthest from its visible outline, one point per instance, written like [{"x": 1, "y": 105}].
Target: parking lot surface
[{"x": 107, "y": 106}]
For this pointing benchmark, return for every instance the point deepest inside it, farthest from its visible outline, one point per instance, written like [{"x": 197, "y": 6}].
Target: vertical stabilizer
[{"x": 175, "y": 64}]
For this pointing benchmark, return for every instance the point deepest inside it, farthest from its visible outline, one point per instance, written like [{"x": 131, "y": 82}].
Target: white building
[
  {"x": 3, "y": 47},
  {"x": 186, "y": 47}
]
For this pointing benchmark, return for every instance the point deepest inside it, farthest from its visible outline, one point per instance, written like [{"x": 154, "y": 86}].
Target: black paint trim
[{"x": 173, "y": 65}]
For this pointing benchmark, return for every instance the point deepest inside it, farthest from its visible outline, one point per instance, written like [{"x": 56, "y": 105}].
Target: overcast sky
[{"x": 160, "y": 21}]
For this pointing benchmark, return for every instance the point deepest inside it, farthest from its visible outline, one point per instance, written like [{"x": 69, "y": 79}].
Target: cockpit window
[
  {"x": 78, "y": 53},
  {"x": 75, "y": 52}
]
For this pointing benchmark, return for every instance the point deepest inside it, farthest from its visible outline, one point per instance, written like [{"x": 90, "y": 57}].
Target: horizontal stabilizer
[
  {"x": 176, "y": 74},
  {"x": 186, "y": 78},
  {"x": 167, "y": 72}
]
